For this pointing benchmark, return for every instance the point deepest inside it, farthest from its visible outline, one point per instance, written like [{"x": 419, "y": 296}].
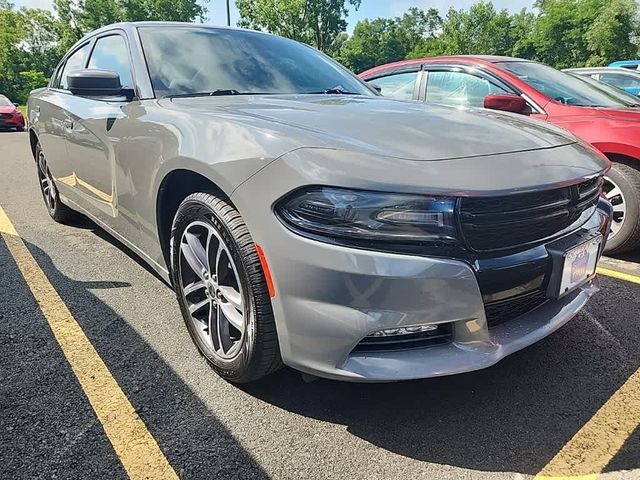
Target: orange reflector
[{"x": 267, "y": 272}]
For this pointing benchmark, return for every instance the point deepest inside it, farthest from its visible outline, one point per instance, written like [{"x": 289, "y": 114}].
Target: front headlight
[{"x": 364, "y": 215}]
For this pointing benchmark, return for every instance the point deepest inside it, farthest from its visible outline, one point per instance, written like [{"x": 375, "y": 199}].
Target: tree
[
  {"x": 10, "y": 35},
  {"x": 32, "y": 41},
  {"x": 585, "y": 32},
  {"x": 480, "y": 30},
  {"x": 610, "y": 37},
  {"x": 80, "y": 17},
  {"x": 315, "y": 22},
  {"x": 39, "y": 43},
  {"x": 383, "y": 40}
]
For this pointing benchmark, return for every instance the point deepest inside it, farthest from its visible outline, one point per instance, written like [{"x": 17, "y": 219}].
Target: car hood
[
  {"x": 8, "y": 109},
  {"x": 381, "y": 126},
  {"x": 630, "y": 114}
]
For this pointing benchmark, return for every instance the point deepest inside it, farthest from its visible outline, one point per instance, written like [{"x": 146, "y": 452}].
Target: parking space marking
[
  {"x": 600, "y": 439},
  {"x": 619, "y": 275},
  {"x": 136, "y": 448}
]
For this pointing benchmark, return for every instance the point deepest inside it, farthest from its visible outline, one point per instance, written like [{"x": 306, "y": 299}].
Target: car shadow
[
  {"x": 51, "y": 431},
  {"x": 633, "y": 257},
  {"x": 513, "y": 417}
]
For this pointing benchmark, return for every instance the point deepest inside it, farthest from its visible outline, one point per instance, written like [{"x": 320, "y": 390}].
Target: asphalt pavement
[{"x": 505, "y": 422}]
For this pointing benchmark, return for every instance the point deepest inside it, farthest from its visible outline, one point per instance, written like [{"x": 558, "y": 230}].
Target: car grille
[
  {"x": 5, "y": 116},
  {"x": 506, "y": 222},
  {"x": 512, "y": 308}
]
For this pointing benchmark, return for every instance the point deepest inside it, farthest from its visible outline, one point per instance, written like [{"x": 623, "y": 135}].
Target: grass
[{"x": 23, "y": 109}]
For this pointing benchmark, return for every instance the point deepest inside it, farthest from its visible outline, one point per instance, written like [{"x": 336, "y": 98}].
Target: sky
[{"x": 369, "y": 8}]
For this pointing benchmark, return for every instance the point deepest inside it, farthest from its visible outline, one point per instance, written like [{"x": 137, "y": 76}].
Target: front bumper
[{"x": 329, "y": 298}]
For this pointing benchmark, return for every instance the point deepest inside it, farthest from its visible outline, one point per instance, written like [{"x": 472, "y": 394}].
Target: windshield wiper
[
  {"x": 334, "y": 91},
  {"x": 213, "y": 93}
]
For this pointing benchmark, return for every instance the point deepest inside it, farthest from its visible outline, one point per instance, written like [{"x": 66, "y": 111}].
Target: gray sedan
[
  {"x": 304, "y": 220},
  {"x": 624, "y": 79}
]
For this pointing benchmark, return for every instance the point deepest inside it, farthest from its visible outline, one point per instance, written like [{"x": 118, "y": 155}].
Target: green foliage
[
  {"x": 32, "y": 41},
  {"x": 585, "y": 32},
  {"x": 382, "y": 40},
  {"x": 316, "y": 22},
  {"x": 562, "y": 33},
  {"x": 30, "y": 80}
]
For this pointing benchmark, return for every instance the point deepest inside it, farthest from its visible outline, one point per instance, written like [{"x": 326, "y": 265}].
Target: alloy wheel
[
  {"x": 46, "y": 182},
  {"x": 212, "y": 290},
  {"x": 614, "y": 194}
]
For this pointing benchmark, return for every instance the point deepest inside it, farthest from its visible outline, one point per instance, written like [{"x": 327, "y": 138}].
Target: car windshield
[
  {"x": 5, "y": 102},
  {"x": 626, "y": 98},
  {"x": 200, "y": 60},
  {"x": 560, "y": 86}
]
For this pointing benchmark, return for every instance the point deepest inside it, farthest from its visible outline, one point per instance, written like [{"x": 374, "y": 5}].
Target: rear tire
[
  {"x": 221, "y": 289},
  {"x": 622, "y": 189},
  {"x": 57, "y": 210}
]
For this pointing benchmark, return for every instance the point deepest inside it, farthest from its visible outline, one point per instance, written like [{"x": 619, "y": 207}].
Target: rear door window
[
  {"x": 620, "y": 80},
  {"x": 400, "y": 86},
  {"x": 459, "y": 89}
]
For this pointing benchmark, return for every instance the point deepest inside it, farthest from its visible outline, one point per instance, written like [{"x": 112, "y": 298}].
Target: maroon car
[
  {"x": 10, "y": 116},
  {"x": 542, "y": 92}
]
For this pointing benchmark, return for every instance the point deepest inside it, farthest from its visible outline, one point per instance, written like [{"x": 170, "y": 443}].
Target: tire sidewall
[
  {"x": 633, "y": 208},
  {"x": 195, "y": 210},
  {"x": 52, "y": 212}
]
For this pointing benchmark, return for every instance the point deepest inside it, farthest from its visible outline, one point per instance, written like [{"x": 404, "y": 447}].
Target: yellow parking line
[
  {"x": 619, "y": 275},
  {"x": 138, "y": 451},
  {"x": 592, "y": 448}
]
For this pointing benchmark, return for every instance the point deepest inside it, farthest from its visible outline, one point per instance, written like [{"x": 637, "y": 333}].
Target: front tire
[
  {"x": 57, "y": 210},
  {"x": 622, "y": 189},
  {"x": 221, "y": 289}
]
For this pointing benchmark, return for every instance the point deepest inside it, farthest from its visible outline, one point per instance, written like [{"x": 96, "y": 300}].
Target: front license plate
[{"x": 579, "y": 265}]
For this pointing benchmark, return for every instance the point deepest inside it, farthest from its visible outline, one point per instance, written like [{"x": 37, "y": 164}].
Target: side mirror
[
  {"x": 16, "y": 104},
  {"x": 507, "y": 102},
  {"x": 96, "y": 83}
]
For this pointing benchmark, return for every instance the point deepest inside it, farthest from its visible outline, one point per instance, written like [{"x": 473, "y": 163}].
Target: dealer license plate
[{"x": 579, "y": 265}]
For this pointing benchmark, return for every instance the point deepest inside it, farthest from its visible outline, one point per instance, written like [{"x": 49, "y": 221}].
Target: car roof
[
  {"x": 618, "y": 71},
  {"x": 623, "y": 63},
  {"x": 467, "y": 59},
  {"x": 131, "y": 27}
]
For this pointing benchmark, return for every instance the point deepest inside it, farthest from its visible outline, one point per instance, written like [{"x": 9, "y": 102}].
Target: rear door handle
[{"x": 67, "y": 124}]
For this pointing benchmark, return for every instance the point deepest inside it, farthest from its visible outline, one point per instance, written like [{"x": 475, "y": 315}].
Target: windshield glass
[
  {"x": 190, "y": 60},
  {"x": 4, "y": 102},
  {"x": 560, "y": 86},
  {"x": 626, "y": 98}
]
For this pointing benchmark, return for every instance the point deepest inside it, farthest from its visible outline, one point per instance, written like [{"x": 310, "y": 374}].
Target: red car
[
  {"x": 10, "y": 116},
  {"x": 511, "y": 84}
]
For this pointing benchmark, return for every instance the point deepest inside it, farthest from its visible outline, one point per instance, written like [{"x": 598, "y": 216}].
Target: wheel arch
[
  {"x": 33, "y": 141},
  {"x": 626, "y": 159},
  {"x": 618, "y": 152},
  {"x": 174, "y": 188}
]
